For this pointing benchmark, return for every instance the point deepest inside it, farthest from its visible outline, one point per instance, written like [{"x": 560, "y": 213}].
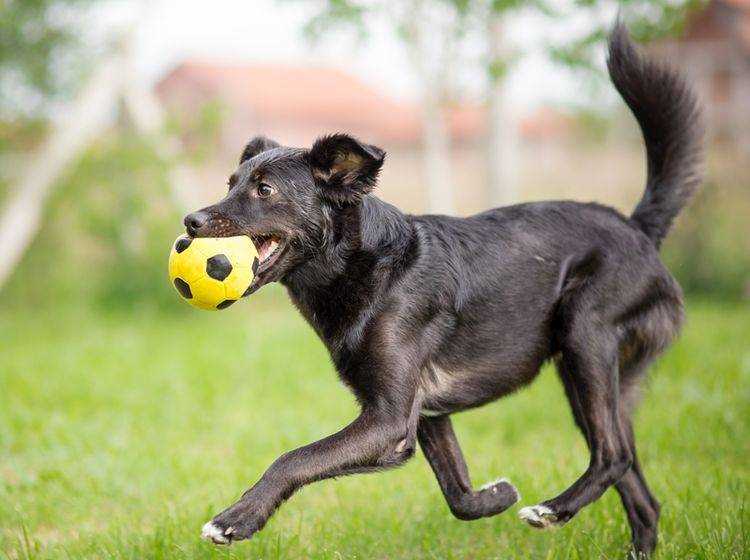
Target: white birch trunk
[
  {"x": 437, "y": 153},
  {"x": 21, "y": 216},
  {"x": 429, "y": 59},
  {"x": 502, "y": 145}
]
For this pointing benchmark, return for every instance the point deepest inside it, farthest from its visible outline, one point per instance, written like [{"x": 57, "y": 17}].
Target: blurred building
[
  {"x": 715, "y": 52},
  {"x": 296, "y": 104},
  {"x": 292, "y": 103}
]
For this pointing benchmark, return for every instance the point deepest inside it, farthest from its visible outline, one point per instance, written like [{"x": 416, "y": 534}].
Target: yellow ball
[{"x": 212, "y": 272}]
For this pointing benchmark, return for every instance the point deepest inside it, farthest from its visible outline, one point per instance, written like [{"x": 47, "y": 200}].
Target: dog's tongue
[{"x": 267, "y": 249}]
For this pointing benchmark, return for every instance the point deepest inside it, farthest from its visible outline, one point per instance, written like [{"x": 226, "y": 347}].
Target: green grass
[{"x": 121, "y": 434}]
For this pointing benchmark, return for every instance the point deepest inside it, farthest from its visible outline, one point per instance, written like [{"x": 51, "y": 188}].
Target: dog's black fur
[{"x": 425, "y": 316}]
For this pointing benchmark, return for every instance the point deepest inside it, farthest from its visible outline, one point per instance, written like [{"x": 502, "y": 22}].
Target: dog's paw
[
  {"x": 215, "y": 534},
  {"x": 492, "y": 498},
  {"x": 234, "y": 524},
  {"x": 502, "y": 487},
  {"x": 539, "y": 516}
]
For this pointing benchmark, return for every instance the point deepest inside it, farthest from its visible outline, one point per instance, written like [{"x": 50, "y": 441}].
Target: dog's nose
[{"x": 194, "y": 222}]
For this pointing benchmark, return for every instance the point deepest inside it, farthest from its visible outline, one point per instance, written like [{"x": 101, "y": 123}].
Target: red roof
[
  {"x": 721, "y": 20},
  {"x": 740, "y": 4},
  {"x": 546, "y": 122},
  {"x": 320, "y": 97}
]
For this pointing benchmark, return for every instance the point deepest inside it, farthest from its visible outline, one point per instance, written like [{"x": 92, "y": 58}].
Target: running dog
[{"x": 425, "y": 316}]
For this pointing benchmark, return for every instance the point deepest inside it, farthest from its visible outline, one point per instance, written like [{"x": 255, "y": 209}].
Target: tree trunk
[
  {"x": 436, "y": 146},
  {"x": 431, "y": 67},
  {"x": 21, "y": 217},
  {"x": 502, "y": 145}
]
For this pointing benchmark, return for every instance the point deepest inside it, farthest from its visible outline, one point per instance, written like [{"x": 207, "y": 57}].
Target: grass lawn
[{"x": 120, "y": 435}]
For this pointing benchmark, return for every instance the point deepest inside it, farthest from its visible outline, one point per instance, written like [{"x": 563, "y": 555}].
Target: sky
[{"x": 270, "y": 31}]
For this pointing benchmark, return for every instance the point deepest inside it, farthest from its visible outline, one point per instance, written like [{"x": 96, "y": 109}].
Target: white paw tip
[
  {"x": 539, "y": 516},
  {"x": 493, "y": 483},
  {"x": 212, "y": 533}
]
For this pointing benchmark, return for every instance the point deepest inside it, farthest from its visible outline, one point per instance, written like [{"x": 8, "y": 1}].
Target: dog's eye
[{"x": 264, "y": 191}]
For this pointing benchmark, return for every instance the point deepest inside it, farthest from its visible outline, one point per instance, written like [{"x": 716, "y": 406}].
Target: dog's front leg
[
  {"x": 440, "y": 446},
  {"x": 376, "y": 439}
]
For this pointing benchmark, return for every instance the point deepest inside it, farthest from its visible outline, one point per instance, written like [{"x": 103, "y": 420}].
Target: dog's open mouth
[{"x": 269, "y": 249}]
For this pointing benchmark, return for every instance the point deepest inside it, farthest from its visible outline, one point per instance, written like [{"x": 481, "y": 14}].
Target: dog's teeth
[{"x": 266, "y": 249}]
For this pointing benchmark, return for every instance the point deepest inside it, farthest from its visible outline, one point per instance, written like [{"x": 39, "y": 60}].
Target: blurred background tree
[
  {"x": 112, "y": 214},
  {"x": 113, "y": 198},
  {"x": 436, "y": 34},
  {"x": 41, "y": 55},
  {"x": 36, "y": 38},
  {"x": 708, "y": 252}
]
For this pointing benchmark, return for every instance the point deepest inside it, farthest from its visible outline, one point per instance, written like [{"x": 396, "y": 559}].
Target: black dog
[{"x": 425, "y": 316}]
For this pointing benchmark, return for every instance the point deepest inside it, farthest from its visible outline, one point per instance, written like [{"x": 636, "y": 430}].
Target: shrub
[
  {"x": 709, "y": 251},
  {"x": 106, "y": 232}
]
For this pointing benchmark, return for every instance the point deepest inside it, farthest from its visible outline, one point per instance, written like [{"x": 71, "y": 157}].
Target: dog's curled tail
[{"x": 671, "y": 121}]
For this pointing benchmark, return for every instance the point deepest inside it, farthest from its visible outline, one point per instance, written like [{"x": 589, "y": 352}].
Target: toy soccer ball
[{"x": 212, "y": 272}]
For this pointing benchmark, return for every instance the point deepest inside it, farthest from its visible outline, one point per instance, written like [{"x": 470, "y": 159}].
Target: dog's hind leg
[
  {"x": 440, "y": 446},
  {"x": 640, "y": 506},
  {"x": 589, "y": 361}
]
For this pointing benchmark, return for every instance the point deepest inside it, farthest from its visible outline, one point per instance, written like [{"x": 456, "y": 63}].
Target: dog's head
[{"x": 284, "y": 198}]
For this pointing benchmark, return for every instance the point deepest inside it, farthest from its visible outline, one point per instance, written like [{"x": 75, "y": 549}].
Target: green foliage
[
  {"x": 709, "y": 250},
  {"x": 578, "y": 53},
  {"x": 499, "y": 67},
  {"x": 21, "y": 134},
  {"x": 592, "y": 125},
  {"x": 36, "y": 36},
  {"x": 201, "y": 130},
  {"x": 336, "y": 14},
  {"x": 106, "y": 233},
  {"x": 647, "y": 19},
  {"x": 121, "y": 435}
]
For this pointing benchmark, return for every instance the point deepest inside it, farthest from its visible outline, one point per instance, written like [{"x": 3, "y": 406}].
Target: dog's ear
[
  {"x": 344, "y": 167},
  {"x": 256, "y": 146}
]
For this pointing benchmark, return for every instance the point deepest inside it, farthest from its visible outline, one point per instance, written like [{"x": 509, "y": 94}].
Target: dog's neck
[
  {"x": 372, "y": 228},
  {"x": 362, "y": 250}
]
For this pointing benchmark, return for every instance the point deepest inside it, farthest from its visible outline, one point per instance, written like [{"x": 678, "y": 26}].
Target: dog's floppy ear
[
  {"x": 256, "y": 146},
  {"x": 344, "y": 167}
]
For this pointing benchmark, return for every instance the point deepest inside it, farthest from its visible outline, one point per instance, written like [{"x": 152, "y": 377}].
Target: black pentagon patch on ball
[
  {"x": 183, "y": 288},
  {"x": 182, "y": 244},
  {"x": 226, "y": 303},
  {"x": 218, "y": 267}
]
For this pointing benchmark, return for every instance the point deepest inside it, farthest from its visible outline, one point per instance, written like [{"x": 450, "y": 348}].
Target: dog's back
[{"x": 507, "y": 280}]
